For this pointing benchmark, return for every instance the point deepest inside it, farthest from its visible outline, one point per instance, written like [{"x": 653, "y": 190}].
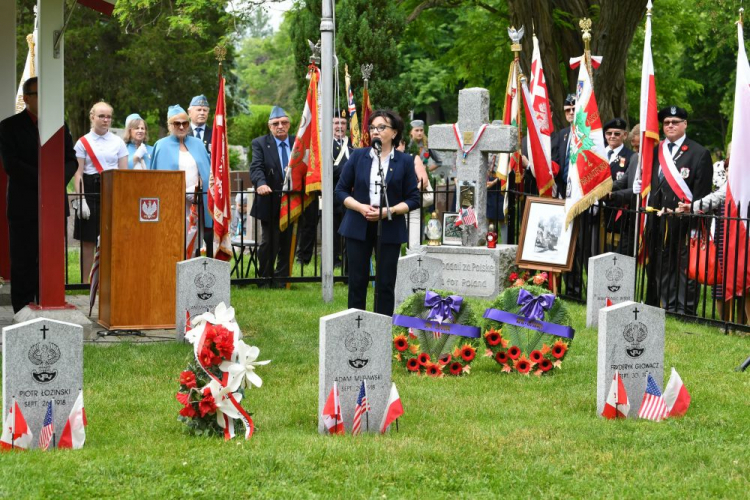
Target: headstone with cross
[
  {"x": 355, "y": 346},
  {"x": 202, "y": 284},
  {"x": 42, "y": 362},
  {"x": 631, "y": 342},
  {"x": 417, "y": 273},
  {"x": 610, "y": 276},
  {"x": 472, "y": 140}
]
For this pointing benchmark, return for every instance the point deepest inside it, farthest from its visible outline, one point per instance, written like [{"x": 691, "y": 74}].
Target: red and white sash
[
  {"x": 92, "y": 155},
  {"x": 460, "y": 139},
  {"x": 673, "y": 177}
]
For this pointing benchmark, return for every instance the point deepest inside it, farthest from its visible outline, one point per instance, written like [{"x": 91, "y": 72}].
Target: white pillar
[{"x": 326, "y": 117}]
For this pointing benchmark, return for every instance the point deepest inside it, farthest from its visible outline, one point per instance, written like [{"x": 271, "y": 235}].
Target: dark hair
[
  {"x": 393, "y": 119},
  {"x": 27, "y": 85}
]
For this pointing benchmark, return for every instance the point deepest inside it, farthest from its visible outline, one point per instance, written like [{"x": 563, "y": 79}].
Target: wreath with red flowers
[
  {"x": 521, "y": 349},
  {"x": 431, "y": 353}
]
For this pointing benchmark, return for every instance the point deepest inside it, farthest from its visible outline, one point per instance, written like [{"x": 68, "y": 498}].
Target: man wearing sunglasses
[
  {"x": 271, "y": 155},
  {"x": 619, "y": 157}
]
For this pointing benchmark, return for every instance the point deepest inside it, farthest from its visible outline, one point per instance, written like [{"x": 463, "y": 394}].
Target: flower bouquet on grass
[
  {"x": 525, "y": 330},
  {"x": 221, "y": 369},
  {"x": 433, "y": 334}
]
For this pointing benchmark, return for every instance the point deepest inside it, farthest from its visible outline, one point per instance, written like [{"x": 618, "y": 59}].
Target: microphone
[{"x": 377, "y": 145}]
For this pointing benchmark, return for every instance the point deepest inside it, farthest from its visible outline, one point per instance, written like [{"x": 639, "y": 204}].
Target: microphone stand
[{"x": 378, "y": 253}]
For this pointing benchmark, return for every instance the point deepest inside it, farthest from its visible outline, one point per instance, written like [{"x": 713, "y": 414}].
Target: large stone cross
[{"x": 473, "y": 112}]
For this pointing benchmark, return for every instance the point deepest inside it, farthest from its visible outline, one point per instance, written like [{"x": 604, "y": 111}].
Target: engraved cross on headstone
[
  {"x": 473, "y": 111},
  {"x": 636, "y": 311},
  {"x": 205, "y": 265},
  {"x": 44, "y": 332},
  {"x": 359, "y": 320},
  {"x": 419, "y": 260},
  {"x": 614, "y": 261}
]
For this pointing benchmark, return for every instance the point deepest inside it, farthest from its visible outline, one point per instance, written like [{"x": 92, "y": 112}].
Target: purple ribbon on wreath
[
  {"x": 534, "y": 307},
  {"x": 532, "y": 315},
  {"x": 442, "y": 309}
]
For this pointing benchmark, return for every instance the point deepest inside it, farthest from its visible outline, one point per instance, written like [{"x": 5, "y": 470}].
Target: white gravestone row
[
  {"x": 355, "y": 345},
  {"x": 417, "y": 273},
  {"x": 42, "y": 361},
  {"x": 631, "y": 341},
  {"x": 471, "y": 170},
  {"x": 610, "y": 276},
  {"x": 202, "y": 284}
]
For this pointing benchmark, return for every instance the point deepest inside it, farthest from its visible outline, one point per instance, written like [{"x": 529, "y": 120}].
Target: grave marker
[
  {"x": 202, "y": 284},
  {"x": 417, "y": 273},
  {"x": 610, "y": 275}
]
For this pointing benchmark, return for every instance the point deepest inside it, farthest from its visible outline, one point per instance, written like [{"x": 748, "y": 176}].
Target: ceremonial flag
[
  {"x": 94, "y": 276},
  {"x": 467, "y": 216},
  {"x": 306, "y": 161},
  {"x": 738, "y": 182},
  {"x": 510, "y": 116},
  {"x": 74, "y": 434},
  {"x": 393, "y": 409},
  {"x": 366, "y": 112},
  {"x": 192, "y": 231},
  {"x": 676, "y": 397},
  {"x": 353, "y": 123},
  {"x": 219, "y": 190},
  {"x": 539, "y": 157},
  {"x": 29, "y": 69},
  {"x": 589, "y": 176},
  {"x": 104, "y": 6},
  {"x": 617, "y": 404},
  {"x": 48, "y": 428},
  {"x": 16, "y": 432},
  {"x": 652, "y": 406},
  {"x": 363, "y": 406},
  {"x": 332, "y": 418}
]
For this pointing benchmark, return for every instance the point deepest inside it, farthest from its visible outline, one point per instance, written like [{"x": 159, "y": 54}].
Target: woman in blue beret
[{"x": 136, "y": 137}]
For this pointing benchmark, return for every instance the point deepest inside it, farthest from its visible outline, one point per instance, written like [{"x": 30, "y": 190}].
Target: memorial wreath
[
  {"x": 433, "y": 334},
  {"x": 525, "y": 330},
  {"x": 221, "y": 369}
]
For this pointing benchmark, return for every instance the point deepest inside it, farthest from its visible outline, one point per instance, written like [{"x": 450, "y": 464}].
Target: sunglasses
[
  {"x": 181, "y": 124},
  {"x": 612, "y": 134},
  {"x": 667, "y": 123}
]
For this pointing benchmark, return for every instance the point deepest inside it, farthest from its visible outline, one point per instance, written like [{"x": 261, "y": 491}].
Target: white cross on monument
[{"x": 473, "y": 112}]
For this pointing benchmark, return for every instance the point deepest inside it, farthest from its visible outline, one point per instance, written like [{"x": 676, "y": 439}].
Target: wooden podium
[{"x": 142, "y": 239}]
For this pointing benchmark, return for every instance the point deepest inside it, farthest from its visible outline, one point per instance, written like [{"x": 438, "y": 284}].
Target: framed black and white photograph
[
  {"x": 544, "y": 243},
  {"x": 451, "y": 233}
]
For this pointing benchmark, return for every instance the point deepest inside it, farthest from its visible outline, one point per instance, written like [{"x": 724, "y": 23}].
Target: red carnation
[
  {"x": 513, "y": 277},
  {"x": 188, "y": 411},
  {"x": 545, "y": 365},
  {"x": 468, "y": 353},
  {"x": 210, "y": 332},
  {"x": 535, "y": 356},
  {"x": 216, "y": 360},
  {"x": 206, "y": 357},
  {"x": 412, "y": 365},
  {"x": 400, "y": 343},
  {"x": 501, "y": 357},
  {"x": 456, "y": 368},
  {"x": 187, "y": 378},
  {"x": 207, "y": 405},
  {"x": 423, "y": 359},
  {"x": 514, "y": 352},
  {"x": 684, "y": 147},
  {"x": 493, "y": 338}
]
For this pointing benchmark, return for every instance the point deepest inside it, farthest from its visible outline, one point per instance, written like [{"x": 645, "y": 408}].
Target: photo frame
[
  {"x": 544, "y": 243},
  {"x": 451, "y": 233}
]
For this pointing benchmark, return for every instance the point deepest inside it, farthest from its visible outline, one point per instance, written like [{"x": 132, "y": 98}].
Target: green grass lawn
[{"x": 482, "y": 436}]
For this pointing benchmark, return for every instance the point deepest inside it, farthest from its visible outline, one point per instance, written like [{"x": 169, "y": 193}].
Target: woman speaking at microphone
[{"x": 359, "y": 189}]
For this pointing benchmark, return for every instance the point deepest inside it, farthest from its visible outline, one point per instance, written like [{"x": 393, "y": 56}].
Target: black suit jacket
[
  {"x": 622, "y": 189},
  {"x": 19, "y": 148},
  {"x": 338, "y": 207},
  {"x": 618, "y": 164},
  {"x": 562, "y": 147},
  {"x": 265, "y": 170},
  {"x": 693, "y": 162},
  {"x": 207, "y": 134}
]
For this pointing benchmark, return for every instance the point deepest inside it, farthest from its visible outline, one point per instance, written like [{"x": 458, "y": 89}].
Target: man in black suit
[
  {"x": 198, "y": 112},
  {"x": 682, "y": 170},
  {"x": 618, "y": 155},
  {"x": 563, "y": 146},
  {"x": 271, "y": 155},
  {"x": 19, "y": 148},
  {"x": 341, "y": 151}
]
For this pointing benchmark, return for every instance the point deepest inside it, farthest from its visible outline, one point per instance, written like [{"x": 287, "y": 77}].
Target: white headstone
[
  {"x": 355, "y": 345},
  {"x": 471, "y": 171},
  {"x": 42, "y": 361},
  {"x": 610, "y": 276},
  {"x": 202, "y": 284},
  {"x": 417, "y": 273},
  {"x": 631, "y": 341}
]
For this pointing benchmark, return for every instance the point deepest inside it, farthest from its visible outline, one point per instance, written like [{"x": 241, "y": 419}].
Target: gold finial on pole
[
  {"x": 32, "y": 65},
  {"x": 220, "y": 51},
  {"x": 585, "y": 25}
]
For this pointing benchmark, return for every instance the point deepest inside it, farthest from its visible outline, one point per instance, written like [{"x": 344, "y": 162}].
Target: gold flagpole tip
[{"x": 220, "y": 51}]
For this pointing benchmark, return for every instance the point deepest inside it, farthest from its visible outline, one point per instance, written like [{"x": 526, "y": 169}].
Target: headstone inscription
[
  {"x": 417, "y": 273},
  {"x": 478, "y": 140},
  {"x": 42, "y": 361},
  {"x": 631, "y": 341},
  {"x": 610, "y": 276},
  {"x": 355, "y": 345},
  {"x": 202, "y": 284}
]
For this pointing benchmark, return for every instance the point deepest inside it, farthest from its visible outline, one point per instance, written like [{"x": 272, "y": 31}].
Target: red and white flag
[
  {"x": 16, "y": 432},
  {"x": 393, "y": 409},
  {"x": 332, "y": 418},
  {"x": 676, "y": 397},
  {"x": 219, "y": 191},
  {"x": 589, "y": 176},
  {"x": 74, "y": 434},
  {"x": 106, "y": 7},
  {"x": 617, "y": 404},
  {"x": 608, "y": 302},
  {"x": 510, "y": 117},
  {"x": 738, "y": 182}
]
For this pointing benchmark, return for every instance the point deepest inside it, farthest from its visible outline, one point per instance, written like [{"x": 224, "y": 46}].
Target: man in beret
[
  {"x": 563, "y": 146},
  {"x": 271, "y": 155},
  {"x": 682, "y": 170},
  {"x": 198, "y": 113},
  {"x": 418, "y": 146},
  {"x": 341, "y": 151},
  {"x": 618, "y": 156}
]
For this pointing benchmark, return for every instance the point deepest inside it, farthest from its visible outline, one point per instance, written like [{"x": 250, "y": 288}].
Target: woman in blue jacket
[
  {"x": 358, "y": 190},
  {"x": 182, "y": 151}
]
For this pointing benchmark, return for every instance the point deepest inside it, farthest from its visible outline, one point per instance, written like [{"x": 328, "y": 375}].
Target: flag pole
[
  {"x": 585, "y": 25},
  {"x": 54, "y": 431},
  {"x": 13, "y": 426},
  {"x": 516, "y": 48}
]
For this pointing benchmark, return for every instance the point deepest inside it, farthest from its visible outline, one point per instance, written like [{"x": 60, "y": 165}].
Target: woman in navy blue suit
[{"x": 358, "y": 190}]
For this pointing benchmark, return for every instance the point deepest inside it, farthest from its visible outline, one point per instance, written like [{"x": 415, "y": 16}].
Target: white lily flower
[
  {"x": 222, "y": 315},
  {"x": 242, "y": 372},
  {"x": 223, "y": 403}
]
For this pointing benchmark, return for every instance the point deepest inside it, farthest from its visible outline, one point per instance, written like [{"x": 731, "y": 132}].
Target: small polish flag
[
  {"x": 617, "y": 404},
  {"x": 676, "y": 396},
  {"x": 393, "y": 410},
  {"x": 16, "y": 433},
  {"x": 608, "y": 302},
  {"x": 332, "y": 418},
  {"x": 74, "y": 434}
]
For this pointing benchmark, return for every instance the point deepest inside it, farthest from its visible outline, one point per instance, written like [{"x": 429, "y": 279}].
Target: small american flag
[
  {"x": 48, "y": 429},
  {"x": 653, "y": 406},
  {"x": 467, "y": 216},
  {"x": 362, "y": 407}
]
